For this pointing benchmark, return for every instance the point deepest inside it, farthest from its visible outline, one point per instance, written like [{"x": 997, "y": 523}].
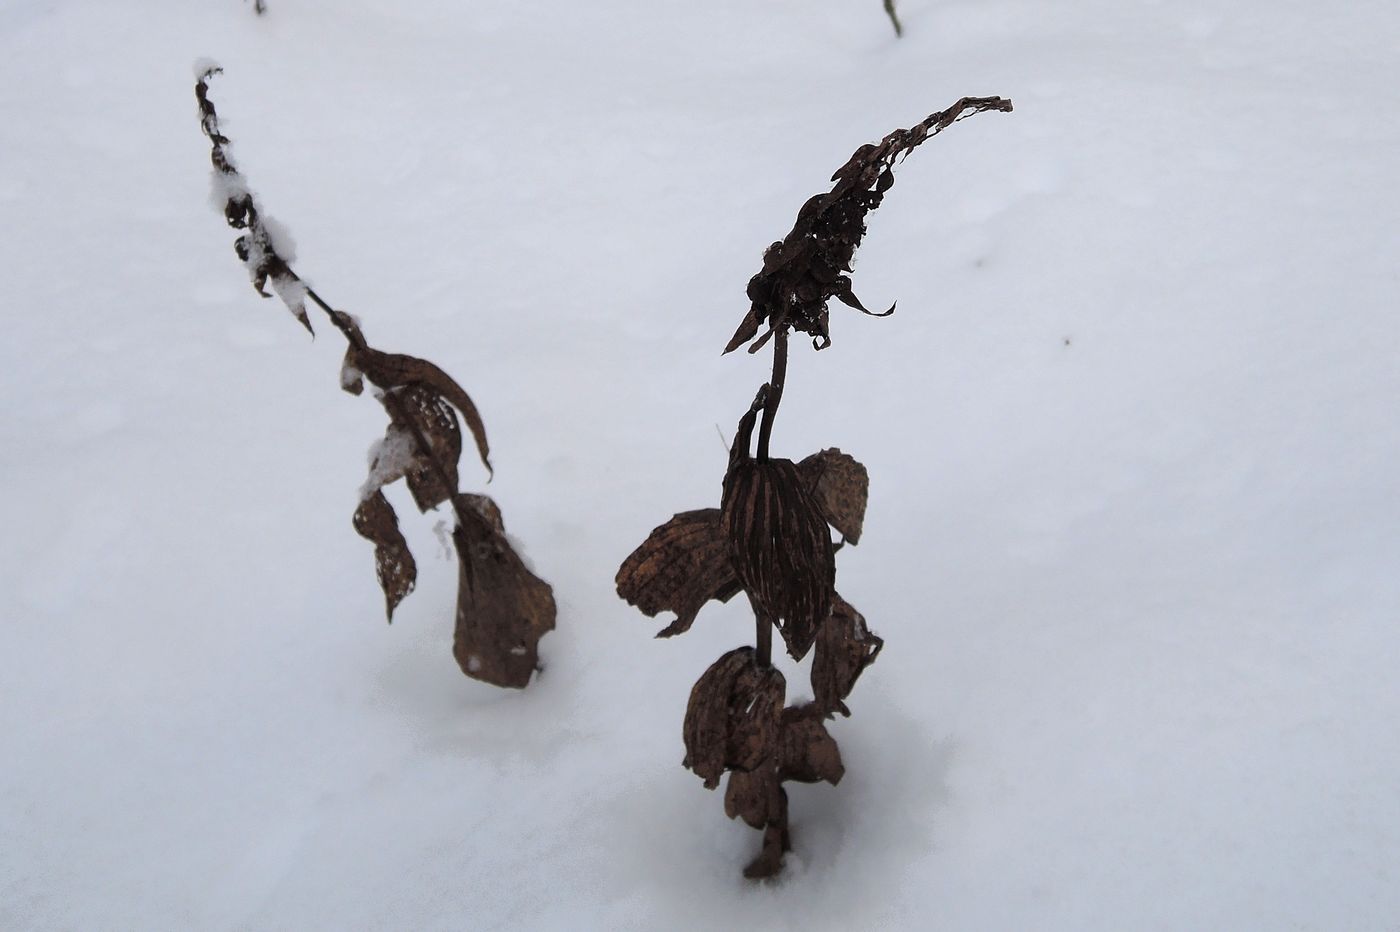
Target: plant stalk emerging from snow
[
  {"x": 894, "y": 17},
  {"x": 771, "y": 536},
  {"x": 503, "y": 609}
]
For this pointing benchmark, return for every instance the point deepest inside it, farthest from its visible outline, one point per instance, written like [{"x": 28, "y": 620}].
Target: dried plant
[
  {"x": 503, "y": 609},
  {"x": 894, "y": 17},
  {"x": 771, "y": 537}
]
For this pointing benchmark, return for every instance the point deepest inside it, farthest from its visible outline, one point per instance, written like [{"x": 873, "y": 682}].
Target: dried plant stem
[
  {"x": 775, "y": 391},
  {"x": 763, "y": 640},
  {"x": 894, "y": 18}
]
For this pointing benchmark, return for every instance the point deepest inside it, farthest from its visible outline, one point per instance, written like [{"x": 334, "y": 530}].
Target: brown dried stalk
[
  {"x": 894, "y": 18},
  {"x": 503, "y": 609},
  {"x": 771, "y": 536}
]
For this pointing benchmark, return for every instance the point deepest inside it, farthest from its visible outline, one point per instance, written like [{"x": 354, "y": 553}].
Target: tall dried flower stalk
[
  {"x": 503, "y": 609},
  {"x": 771, "y": 536}
]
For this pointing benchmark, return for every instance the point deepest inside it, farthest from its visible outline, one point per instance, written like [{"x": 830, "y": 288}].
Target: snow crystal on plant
[
  {"x": 280, "y": 239},
  {"x": 202, "y": 67},
  {"x": 389, "y": 458},
  {"x": 225, "y": 187},
  {"x": 351, "y": 379},
  {"x": 292, "y": 292}
]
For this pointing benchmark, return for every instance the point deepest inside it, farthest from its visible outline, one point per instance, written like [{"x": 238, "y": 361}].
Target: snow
[
  {"x": 1132, "y": 539},
  {"x": 389, "y": 458}
]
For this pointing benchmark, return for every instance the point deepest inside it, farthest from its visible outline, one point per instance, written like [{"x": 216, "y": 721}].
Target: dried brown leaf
[
  {"x": 679, "y": 567},
  {"x": 756, "y": 796},
  {"x": 808, "y": 753},
  {"x": 779, "y": 545},
  {"x": 431, "y": 483},
  {"x": 841, "y": 486},
  {"x": 733, "y": 718},
  {"x": 503, "y": 609},
  {"x": 393, "y": 563},
  {"x": 845, "y": 646},
  {"x": 395, "y": 370}
]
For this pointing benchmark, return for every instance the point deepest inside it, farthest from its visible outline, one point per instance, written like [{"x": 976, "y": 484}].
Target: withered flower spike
[
  {"x": 812, "y": 264},
  {"x": 257, "y": 248}
]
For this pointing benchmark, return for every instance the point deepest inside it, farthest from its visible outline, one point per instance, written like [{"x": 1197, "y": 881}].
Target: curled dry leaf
[
  {"x": 388, "y": 371},
  {"x": 841, "y": 486},
  {"x": 808, "y": 753},
  {"x": 845, "y": 646},
  {"x": 812, "y": 264},
  {"x": 733, "y": 718},
  {"x": 431, "y": 483},
  {"x": 503, "y": 609},
  {"x": 780, "y": 547},
  {"x": 393, "y": 563},
  {"x": 681, "y": 565}
]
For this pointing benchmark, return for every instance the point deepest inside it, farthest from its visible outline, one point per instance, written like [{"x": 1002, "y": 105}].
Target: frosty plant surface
[
  {"x": 503, "y": 609},
  {"x": 771, "y": 536}
]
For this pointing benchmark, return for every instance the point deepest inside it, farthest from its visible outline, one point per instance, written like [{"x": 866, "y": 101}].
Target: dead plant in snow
[
  {"x": 503, "y": 609},
  {"x": 770, "y": 538}
]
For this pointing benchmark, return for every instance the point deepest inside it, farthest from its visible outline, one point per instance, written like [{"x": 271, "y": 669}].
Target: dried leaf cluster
[
  {"x": 771, "y": 535},
  {"x": 771, "y": 539},
  {"x": 503, "y": 609}
]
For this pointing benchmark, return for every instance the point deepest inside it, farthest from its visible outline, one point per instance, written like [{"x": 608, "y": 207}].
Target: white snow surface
[{"x": 1134, "y": 530}]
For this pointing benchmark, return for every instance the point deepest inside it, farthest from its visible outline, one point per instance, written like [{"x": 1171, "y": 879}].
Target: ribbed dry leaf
[
  {"x": 396, "y": 370},
  {"x": 503, "y": 609},
  {"x": 393, "y": 563},
  {"x": 679, "y": 567},
  {"x": 808, "y": 753},
  {"x": 844, "y": 648},
  {"x": 732, "y": 720},
  {"x": 811, "y": 265},
  {"x": 841, "y": 486},
  {"x": 780, "y": 547}
]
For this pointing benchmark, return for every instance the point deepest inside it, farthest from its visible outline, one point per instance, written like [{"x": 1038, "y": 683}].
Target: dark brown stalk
[
  {"x": 763, "y": 640},
  {"x": 775, "y": 392},
  {"x": 894, "y": 18}
]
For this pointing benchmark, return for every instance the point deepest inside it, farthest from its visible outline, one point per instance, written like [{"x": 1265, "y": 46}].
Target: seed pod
[
  {"x": 780, "y": 546},
  {"x": 733, "y": 719}
]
